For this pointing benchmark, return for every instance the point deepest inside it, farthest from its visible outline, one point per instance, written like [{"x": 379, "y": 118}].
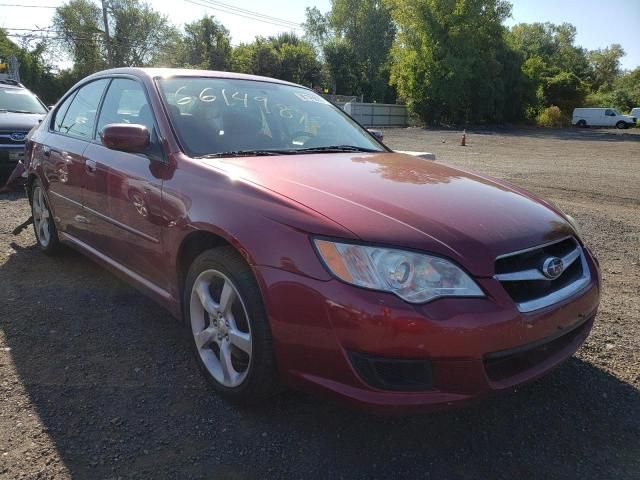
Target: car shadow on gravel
[{"x": 109, "y": 375}]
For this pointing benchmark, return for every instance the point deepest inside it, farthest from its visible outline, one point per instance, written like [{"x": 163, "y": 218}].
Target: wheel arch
[
  {"x": 30, "y": 179},
  {"x": 196, "y": 242}
]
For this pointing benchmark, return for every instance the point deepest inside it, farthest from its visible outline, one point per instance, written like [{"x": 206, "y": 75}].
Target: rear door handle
[{"x": 90, "y": 166}]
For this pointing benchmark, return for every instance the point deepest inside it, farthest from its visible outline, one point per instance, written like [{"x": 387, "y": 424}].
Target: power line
[
  {"x": 213, "y": 5},
  {"x": 283, "y": 23},
  {"x": 33, "y": 29},
  {"x": 252, "y": 13},
  {"x": 61, "y": 33},
  {"x": 46, "y": 37},
  {"x": 25, "y": 6}
]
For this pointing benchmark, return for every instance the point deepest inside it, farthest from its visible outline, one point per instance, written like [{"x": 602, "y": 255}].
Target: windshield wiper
[
  {"x": 335, "y": 149},
  {"x": 292, "y": 151},
  {"x": 245, "y": 153}
]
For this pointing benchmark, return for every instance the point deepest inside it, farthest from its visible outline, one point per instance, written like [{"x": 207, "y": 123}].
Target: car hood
[
  {"x": 20, "y": 122},
  {"x": 401, "y": 200}
]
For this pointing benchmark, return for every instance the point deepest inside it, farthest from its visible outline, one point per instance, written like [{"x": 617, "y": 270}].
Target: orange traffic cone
[{"x": 463, "y": 140}]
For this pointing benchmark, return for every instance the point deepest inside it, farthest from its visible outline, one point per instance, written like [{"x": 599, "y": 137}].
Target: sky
[{"x": 599, "y": 23}]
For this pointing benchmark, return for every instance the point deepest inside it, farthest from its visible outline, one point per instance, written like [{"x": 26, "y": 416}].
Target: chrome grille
[{"x": 523, "y": 277}]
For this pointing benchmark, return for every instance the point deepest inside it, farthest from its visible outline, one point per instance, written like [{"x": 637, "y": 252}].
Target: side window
[
  {"x": 125, "y": 102},
  {"x": 81, "y": 115},
  {"x": 57, "y": 121},
  {"x": 609, "y": 113}
]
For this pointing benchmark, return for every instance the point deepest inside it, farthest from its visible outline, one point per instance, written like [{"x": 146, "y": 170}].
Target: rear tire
[
  {"x": 581, "y": 124},
  {"x": 621, "y": 125},
  {"x": 229, "y": 328},
  {"x": 44, "y": 226}
]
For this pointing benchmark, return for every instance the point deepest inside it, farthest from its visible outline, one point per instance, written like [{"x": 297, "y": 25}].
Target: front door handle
[{"x": 90, "y": 166}]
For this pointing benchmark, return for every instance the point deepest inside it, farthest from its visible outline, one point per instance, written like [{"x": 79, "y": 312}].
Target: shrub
[{"x": 552, "y": 117}]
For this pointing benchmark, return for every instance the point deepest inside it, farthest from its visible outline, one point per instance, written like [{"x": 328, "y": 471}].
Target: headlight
[{"x": 414, "y": 277}]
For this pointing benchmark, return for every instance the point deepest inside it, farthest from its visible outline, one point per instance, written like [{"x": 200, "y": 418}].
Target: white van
[
  {"x": 601, "y": 117},
  {"x": 635, "y": 113}
]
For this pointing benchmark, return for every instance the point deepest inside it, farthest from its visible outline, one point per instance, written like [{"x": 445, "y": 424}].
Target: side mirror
[
  {"x": 125, "y": 137},
  {"x": 376, "y": 133}
]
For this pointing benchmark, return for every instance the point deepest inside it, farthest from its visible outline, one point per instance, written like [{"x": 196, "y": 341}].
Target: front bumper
[{"x": 474, "y": 347}]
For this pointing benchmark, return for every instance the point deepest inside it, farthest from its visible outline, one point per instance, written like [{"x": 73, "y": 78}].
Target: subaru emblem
[
  {"x": 18, "y": 136},
  {"x": 552, "y": 267}
]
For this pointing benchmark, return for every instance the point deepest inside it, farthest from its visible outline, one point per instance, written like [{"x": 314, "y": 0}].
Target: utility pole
[{"x": 107, "y": 37}]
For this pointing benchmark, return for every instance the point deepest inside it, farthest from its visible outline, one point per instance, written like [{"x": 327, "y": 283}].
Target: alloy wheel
[
  {"x": 41, "y": 217},
  {"x": 220, "y": 328}
]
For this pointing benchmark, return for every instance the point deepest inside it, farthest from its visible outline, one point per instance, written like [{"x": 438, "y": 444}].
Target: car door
[
  {"x": 61, "y": 154},
  {"x": 123, "y": 193},
  {"x": 610, "y": 117}
]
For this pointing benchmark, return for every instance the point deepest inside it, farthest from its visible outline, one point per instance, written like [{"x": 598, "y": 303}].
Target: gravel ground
[{"x": 96, "y": 380}]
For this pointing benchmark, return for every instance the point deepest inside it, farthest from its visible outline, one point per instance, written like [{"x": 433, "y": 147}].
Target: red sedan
[{"x": 299, "y": 250}]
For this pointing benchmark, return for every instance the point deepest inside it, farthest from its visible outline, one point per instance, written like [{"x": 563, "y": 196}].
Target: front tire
[
  {"x": 621, "y": 125},
  {"x": 43, "y": 225},
  {"x": 228, "y": 327}
]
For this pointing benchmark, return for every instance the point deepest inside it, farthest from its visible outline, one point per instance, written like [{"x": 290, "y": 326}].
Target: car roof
[{"x": 185, "y": 72}]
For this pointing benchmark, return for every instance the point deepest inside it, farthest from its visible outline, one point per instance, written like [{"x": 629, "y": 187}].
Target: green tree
[
  {"x": 565, "y": 90},
  {"x": 206, "y": 44},
  {"x": 624, "y": 93},
  {"x": 140, "y": 33},
  {"x": 342, "y": 64},
  {"x": 368, "y": 26},
  {"x": 450, "y": 60},
  {"x": 242, "y": 58},
  {"x": 263, "y": 59},
  {"x": 628, "y": 85},
  {"x": 78, "y": 22},
  {"x": 605, "y": 66},
  {"x": 553, "y": 44},
  {"x": 361, "y": 31},
  {"x": 299, "y": 64},
  {"x": 317, "y": 28},
  {"x": 555, "y": 70},
  {"x": 285, "y": 56}
]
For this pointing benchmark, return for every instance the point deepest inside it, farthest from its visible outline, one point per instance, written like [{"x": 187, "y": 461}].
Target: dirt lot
[{"x": 96, "y": 380}]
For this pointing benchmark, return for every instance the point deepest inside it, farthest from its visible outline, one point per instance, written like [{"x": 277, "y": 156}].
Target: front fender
[{"x": 268, "y": 229}]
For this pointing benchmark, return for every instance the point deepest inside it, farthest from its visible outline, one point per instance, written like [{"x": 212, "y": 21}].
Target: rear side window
[
  {"x": 125, "y": 102},
  {"x": 81, "y": 115},
  {"x": 57, "y": 121}
]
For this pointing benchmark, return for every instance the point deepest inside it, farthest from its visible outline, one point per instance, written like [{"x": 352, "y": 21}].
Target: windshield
[
  {"x": 19, "y": 100},
  {"x": 218, "y": 116}
]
